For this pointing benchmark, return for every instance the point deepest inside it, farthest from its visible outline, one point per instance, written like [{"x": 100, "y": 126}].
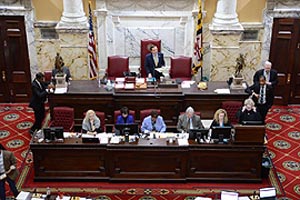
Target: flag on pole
[
  {"x": 198, "y": 48},
  {"x": 92, "y": 50}
]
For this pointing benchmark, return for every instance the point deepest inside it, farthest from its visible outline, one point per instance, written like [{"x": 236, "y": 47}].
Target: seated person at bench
[
  {"x": 189, "y": 120},
  {"x": 153, "y": 122},
  {"x": 91, "y": 123},
  {"x": 248, "y": 112},
  {"x": 125, "y": 117},
  {"x": 220, "y": 119}
]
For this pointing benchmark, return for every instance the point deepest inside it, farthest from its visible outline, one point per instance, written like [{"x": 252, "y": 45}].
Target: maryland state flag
[{"x": 198, "y": 48}]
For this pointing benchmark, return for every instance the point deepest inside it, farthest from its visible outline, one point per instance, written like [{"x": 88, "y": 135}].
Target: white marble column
[
  {"x": 73, "y": 15},
  {"x": 226, "y": 17},
  {"x": 102, "y": 39}
]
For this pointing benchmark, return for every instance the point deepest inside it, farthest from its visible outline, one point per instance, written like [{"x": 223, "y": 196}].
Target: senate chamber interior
[{"x": 121, "y": 95}]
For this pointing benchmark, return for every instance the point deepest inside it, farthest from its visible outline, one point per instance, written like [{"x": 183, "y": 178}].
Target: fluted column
[
  {"x": 73, "y": 15},
  {"x": 225, "y": 17}
]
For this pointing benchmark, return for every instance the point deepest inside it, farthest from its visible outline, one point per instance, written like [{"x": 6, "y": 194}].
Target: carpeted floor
[
  {"x": 283, "y": 132},
  {"x": 16, "y": 119}
]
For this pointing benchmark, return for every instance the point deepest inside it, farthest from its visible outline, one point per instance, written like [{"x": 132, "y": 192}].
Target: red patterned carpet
[
  {"x": 16, "y": 119},
  {"x": 283, "y": 131}
]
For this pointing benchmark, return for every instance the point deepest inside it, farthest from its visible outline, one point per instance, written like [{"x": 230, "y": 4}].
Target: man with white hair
[
  {"x": 269, "y": 73},
  {"x": 189, "y": 120}
]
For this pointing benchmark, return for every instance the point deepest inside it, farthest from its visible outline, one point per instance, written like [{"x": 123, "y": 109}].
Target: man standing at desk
[
  {"x": 154, "y": 60},
  {"x": 37, "y": 101}
]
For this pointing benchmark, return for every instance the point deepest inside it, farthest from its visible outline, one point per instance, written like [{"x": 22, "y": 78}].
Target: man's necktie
[
  {"x": 261, "y": 95},
  {"x": 155, "y": 60},
  {"x": 268, "y": 76}
]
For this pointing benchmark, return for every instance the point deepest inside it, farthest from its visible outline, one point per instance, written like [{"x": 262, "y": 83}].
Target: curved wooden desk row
[
  {"x": 147, "y": 160},
  {"x": 84, "y": 95}
]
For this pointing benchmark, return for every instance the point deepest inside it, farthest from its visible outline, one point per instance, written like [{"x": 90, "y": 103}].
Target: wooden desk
[
  {"x": 84, "y": 95},
  {"x": 146, "y": 160}
]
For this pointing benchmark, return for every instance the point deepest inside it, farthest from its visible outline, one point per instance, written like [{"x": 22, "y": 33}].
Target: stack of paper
[
  {"x": 183, "y": 142},
  {"x": 60, "y": 90},
  {"x": 203, "y": 198},
  {"x": 23, "y": 196},
  {"x": 222, "y": 91}
]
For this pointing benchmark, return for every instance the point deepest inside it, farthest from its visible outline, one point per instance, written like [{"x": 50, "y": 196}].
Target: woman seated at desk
[
  {"x": 91, "y": 123},
  {"x": 220, "y": 119},
  {"x": 125, "y": 117},
  {"x": 248, "y": 112}
]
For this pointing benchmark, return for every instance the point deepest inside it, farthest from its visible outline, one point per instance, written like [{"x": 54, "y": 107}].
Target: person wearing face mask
[
  {"x": 220, "y": 119},
  {"x": 248, "y": 112},
  {"x": 91, "y": 123}
]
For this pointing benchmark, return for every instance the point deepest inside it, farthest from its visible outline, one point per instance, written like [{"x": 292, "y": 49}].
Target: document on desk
[
  {"x": 183, "y": 142},
  {"x": 222, "y": 91},
  {"x": 103, "y": 138},
  {"x": 64, "y": 198},
  {"x": 203, "y": 198},
  {"x": 114, "y": 140},
  {"x": 244, "y": 198},
  {"x": 60, "y": 90}
]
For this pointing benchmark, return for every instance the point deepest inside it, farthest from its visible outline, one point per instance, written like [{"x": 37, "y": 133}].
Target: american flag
[
  {"x": 198, "y": 48},
  {"x": 93, "y": 64}
]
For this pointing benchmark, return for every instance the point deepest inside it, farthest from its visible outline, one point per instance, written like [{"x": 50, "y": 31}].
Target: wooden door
[
  {"x": 284, "y": 55},
  {"x": 15, "y": 77}
]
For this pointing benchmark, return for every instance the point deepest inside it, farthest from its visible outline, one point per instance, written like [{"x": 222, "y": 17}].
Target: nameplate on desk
[{"x": 89, "y": 139}]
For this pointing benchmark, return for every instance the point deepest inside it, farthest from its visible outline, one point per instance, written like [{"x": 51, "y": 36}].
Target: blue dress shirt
[
  {"x": 129, "y": 120},
  {"x": 159, "y": 125}
]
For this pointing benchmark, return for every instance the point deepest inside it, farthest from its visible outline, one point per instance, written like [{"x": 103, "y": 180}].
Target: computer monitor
[
  {"x": 198, "y": 134},
  {"x": 252, "y": 122},
  {"x": 131, "y": 129},
  {"x": 53, "y": 134},
  {"x": 221, "y": 134}
]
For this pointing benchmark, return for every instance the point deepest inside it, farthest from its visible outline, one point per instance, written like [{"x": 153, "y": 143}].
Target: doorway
[
  {"x": 15, "y": 78},
  {"x": 285, "y": 56}
]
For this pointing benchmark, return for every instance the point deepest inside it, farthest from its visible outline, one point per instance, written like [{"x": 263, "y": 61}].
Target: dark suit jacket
[
  {"x": 269, "y": 93},
  {"x": 248, "y": 115},
  {"x": 9, "y": 159},
  {"x": 150, "y": 65},
  {"x": 183, "y": 122},
  {"x": 273, "y": 76},
  {"x": 39, "y": 95},
  {"x": 215, "y": 123}
]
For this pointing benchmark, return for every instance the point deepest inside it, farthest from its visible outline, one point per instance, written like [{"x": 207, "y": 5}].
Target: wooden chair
[
  {"x": 63, "y": 117},
  {"x": 147, "y": 112},
  {"x": 118, "y": 112},
  {"x": 181, "y": 67},
  {"x": 116, "y": 67},
  {"x": 231, "y": 108}
]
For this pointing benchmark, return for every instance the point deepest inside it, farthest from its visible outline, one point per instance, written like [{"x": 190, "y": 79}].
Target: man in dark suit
[
  {"x": 262, "y": 95},
  {"x": 269, "y": 73},
  {"x": 38, "y": 98},
  {"x": 154, "y": 60},
  {"x": 8, "y": 172}
]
